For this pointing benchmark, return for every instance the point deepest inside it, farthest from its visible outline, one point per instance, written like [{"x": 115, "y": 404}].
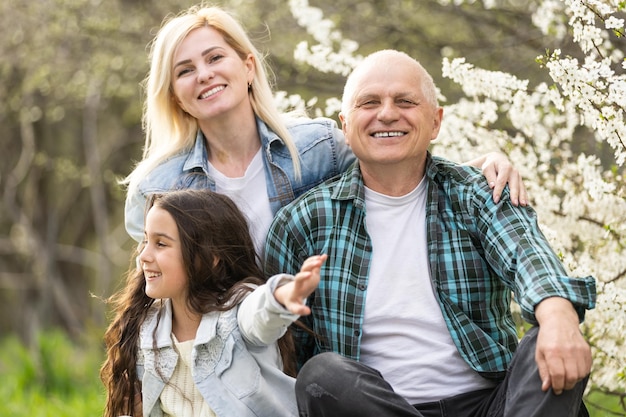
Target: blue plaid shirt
[{"x": 480, "y": 253}]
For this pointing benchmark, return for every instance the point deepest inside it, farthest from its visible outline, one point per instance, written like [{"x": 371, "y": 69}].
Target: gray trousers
[{"x": 332, "y": 385}]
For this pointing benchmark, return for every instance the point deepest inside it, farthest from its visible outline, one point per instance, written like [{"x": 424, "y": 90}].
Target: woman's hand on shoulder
[{"x": 499, "y": 172}]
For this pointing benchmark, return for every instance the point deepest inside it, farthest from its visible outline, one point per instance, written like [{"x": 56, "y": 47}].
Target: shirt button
[{"x": 362, "y": 287}]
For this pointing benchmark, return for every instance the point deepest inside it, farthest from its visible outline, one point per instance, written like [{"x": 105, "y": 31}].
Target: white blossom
[{"x": 332, "y": 53}]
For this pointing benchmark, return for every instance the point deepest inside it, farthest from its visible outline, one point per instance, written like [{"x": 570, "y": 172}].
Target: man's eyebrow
[
  {"x": 364, "y": 97},
  {"x": 374, "y": 96}
]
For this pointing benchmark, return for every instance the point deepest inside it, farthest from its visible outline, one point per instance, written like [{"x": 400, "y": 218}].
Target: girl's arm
[{"x": 266, "y": 313}]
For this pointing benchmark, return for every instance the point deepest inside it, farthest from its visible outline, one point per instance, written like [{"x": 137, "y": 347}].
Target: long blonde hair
[{"x": 168, "y": 128}]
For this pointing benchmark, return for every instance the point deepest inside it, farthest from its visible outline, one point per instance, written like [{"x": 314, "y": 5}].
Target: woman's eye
[
  {"x": 183, "y": 72},
  {"x": 215, "y": 58}
]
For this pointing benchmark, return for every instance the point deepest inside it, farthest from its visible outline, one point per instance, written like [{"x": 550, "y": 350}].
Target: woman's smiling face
[{"x": 209, "y": 78}]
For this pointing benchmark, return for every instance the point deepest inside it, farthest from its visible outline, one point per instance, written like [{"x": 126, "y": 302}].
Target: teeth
[
  {"x": 387, "y": 134},
  {"x": 212, "y": 91},
  {"x": 151, "y": 274}
]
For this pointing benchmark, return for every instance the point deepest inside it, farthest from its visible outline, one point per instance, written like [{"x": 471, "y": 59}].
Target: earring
[{"x": 250, "y": 86}]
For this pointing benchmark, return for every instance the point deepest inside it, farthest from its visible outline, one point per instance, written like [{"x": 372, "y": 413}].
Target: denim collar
[{"x": 198, "y": 157}]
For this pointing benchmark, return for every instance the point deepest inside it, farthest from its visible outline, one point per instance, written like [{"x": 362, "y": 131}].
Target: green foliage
[
  {"x": 56, "y": 378},
  {"x": 602, "y": 405},
  {"x": 61, "y": 379}
]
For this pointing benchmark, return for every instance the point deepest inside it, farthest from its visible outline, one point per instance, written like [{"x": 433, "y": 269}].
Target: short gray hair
[{"x": 382, "y": 58}]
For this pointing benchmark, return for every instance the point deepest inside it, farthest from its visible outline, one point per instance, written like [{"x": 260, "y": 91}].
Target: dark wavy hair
[{"x": 221, "y": 263}]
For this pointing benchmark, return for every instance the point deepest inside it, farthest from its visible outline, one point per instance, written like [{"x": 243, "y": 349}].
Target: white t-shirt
[
  {"x": 404, "y": 334},
  {"x": 249, "y": 194}
]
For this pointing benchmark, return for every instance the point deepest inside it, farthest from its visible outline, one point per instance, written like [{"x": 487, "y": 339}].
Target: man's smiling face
[{"x": 389, "y": 119}]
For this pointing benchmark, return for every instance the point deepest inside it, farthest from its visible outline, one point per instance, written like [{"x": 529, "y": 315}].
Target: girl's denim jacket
[
  {"x": 323, "y": 155},
  {"x": 236, "y": 364}
]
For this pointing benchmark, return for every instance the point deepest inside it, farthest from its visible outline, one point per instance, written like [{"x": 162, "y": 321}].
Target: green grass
[
  {"x": 601, "y": 405},
  {"x": 60, "y": 378}
]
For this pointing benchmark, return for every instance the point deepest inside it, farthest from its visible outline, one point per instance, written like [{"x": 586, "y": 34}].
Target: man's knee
[{"x": 319, "y": 367}]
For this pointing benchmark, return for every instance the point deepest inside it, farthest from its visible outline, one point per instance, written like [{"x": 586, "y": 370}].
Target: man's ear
[
  {"x": 344, "y": 127},
  {"x": 437, "y": 123}
]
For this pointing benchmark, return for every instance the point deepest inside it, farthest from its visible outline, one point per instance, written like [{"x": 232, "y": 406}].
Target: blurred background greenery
[{"x": 70, "y": 128}]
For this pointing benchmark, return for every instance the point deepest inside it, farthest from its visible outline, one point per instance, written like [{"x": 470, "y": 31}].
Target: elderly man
[{"x": 413, "y": 302}]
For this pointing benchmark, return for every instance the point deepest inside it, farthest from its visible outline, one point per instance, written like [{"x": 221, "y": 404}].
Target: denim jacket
[
  {"x": 236, "y": 365},
  {"x": 320, "y": 144}
]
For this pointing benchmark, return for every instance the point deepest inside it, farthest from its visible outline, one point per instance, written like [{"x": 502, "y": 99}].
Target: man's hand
[
  {"x": 293, "y": 294},
  {"x": 499, "y": 171},
  {"x": 563, "y": 356}
]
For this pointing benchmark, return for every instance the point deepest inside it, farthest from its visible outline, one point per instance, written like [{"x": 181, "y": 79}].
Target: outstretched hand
[
  {"x": 293, "y": 294},
  {"x": 499, "y": 172}
]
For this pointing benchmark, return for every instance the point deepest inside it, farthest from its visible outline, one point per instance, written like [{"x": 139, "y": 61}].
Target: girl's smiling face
[{"x": 161, "y": 258}]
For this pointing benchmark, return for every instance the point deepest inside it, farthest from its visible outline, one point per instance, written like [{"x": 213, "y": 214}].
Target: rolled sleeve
[{"x": 581, "y": 292}]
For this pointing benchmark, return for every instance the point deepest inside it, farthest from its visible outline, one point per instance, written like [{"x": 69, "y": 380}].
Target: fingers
[
  {"x": 507, "y": 175},
  {"x": 501, "y": 175},
  {"x": 558, "y": 377},
  {"x": 304, "y": 284},
  {"x": 544, "y": 374},
  {"x": 299, "y": 309},
  {"x": 551, "y": 371},
  {"x": 523, "y": 194},
  {"x": 491, "y": 174},
  {"x": 499, "y": 172},
  {"x": 562, "y": 368},
  {"x": 517, "y": 189},
  {"x": 313, "y": 262},
  {"x": 294, "y": 294}
]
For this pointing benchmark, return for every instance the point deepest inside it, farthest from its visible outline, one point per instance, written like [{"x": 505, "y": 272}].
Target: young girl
[{"x": 195, "y": 328}]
